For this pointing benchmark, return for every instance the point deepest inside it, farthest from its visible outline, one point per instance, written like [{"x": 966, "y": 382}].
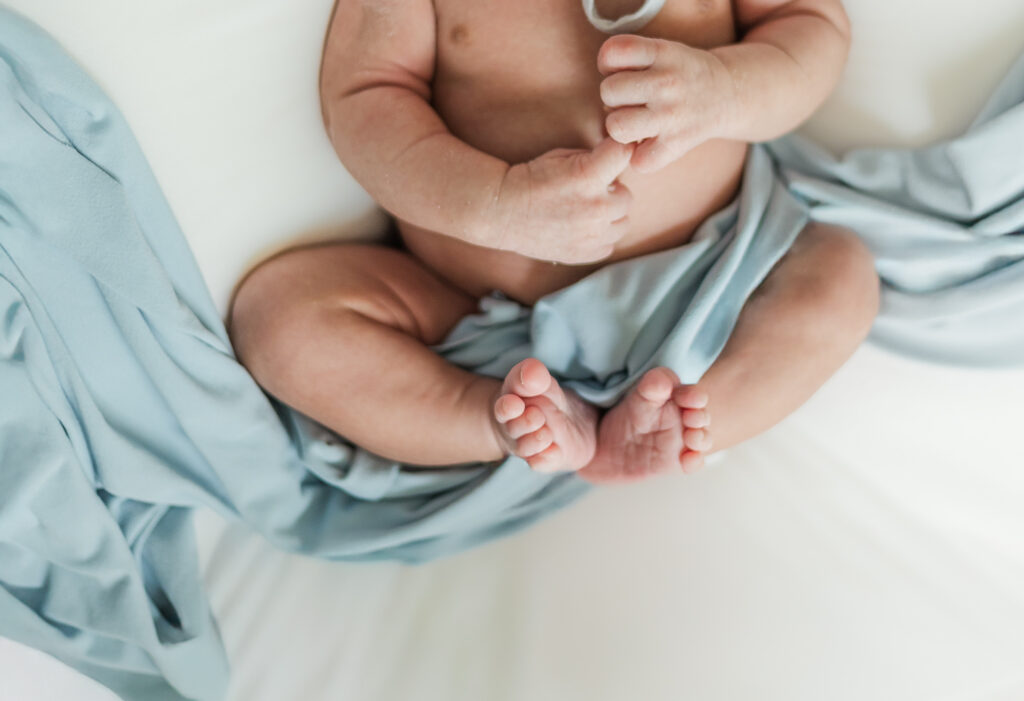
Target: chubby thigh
[{"x": 342, "y": 333}]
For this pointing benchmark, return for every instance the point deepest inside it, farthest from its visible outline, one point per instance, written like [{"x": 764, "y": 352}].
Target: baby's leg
[
  {"x": 341, "y": 333},
  {"x": 799, "y": 327},
  {"x": 795, "y": 331}
]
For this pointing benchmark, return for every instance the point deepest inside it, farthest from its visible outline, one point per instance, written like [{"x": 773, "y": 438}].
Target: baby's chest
[{"x": 482, "y": 35}]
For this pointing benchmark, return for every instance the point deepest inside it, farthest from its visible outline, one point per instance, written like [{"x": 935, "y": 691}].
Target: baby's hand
[
  {"x": 667, "y": 96},
  {"x": 566, "y": 205}
]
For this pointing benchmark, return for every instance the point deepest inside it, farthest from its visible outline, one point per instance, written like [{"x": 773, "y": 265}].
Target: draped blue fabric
[
  {"x": 122, "y": 407},
  {"x": 946, "y": 226}
]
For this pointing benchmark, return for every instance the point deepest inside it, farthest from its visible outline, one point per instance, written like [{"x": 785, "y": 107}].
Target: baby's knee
[
  {"x": 276, "y": 304},
  {"x": 845, "y": 286},
  {"x": 263, "y": 310},
  {"x": 304, "y": 295}
]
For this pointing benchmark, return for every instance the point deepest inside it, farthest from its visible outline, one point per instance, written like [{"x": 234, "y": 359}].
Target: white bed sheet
[{"x": 869, "y": 547}]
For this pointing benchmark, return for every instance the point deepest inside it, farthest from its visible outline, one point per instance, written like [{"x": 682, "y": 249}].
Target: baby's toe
[
  {"x": 547, "y": 460},
  {"x": 530, "y": 420},
  {"x": 508, "y": 407},
  {"x": 533, "y": 443},
  {"x": 656, "y": 385},
  {"x": 696, "y": 418},
  {"x": 528, "y": 378},
  {"x": 691, "y": 461},
  {"x": 690, "y": 397},
  {"x": 697, "y": 439}
]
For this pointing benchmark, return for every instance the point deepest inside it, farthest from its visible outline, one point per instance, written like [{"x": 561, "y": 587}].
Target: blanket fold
[
  {"x": 946, "y": 226},
  {"x": 122, "y": 407}
]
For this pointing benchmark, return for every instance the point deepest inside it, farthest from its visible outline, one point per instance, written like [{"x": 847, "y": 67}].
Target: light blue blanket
[{"x": 122, "y": 407}]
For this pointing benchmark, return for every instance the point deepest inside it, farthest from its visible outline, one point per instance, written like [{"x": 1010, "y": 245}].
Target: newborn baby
[{"x": 521, "y": 146}]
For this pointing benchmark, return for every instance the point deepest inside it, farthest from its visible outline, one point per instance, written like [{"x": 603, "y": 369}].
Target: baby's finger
[
  {"x": 629, "y": 124},
  {"x": 651, "y": 155},
  {"x": 620, "y": 199},
  {"x": 606, "y": 162},
  {"x": 617, "y": 230},
  {"x": 626, "y": 88},
  {"x": 557, "y": 153},
  {"x": 627, "y": 52}
]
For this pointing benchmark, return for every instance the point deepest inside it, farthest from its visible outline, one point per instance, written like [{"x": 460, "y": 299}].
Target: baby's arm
[
  {"x": 375, "y": 93},
  {"x": 675, "y": 97},
  {"x": 789, "y": 60}
]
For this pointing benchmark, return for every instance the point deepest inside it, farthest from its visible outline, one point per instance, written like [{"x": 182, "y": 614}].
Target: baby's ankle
[{"x": 480, "y": 396}]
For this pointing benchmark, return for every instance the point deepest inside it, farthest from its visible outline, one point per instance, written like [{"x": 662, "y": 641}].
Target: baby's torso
[{"x": 517, "y": 79}]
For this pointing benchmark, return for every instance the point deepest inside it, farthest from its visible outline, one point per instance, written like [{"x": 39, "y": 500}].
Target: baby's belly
[{"x": 519, "y": 100}]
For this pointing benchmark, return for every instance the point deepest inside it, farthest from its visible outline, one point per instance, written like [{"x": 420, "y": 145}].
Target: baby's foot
[
  {"x": 659, "y": 427},
  {"x": 537, "y": 420}
]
